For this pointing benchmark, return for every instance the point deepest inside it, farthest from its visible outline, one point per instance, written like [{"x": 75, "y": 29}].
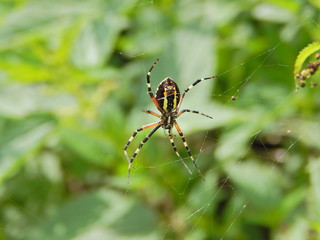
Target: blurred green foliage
[{"x": 72, "y": 76}]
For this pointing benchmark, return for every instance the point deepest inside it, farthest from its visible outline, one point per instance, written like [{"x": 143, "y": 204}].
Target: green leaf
[
  {"x": 18, "y": 138},
  {"x": 234, "y": 142},
  {"x": 89, "y": 146},
  {"x": 128, "y": 225},
  {"x": 104, "y": 213},
  {"x": 40, "y": 18},
  {"x": 302, "y": 56},
  {"x": 314, "y": 171},
  {"x": 260, "y": 181},
  {"x": 297, "y": 230},
  {"x": 96, "y": 41},
  {"x": 17, "y": 101},
  {"x": 306, "y": 131}
]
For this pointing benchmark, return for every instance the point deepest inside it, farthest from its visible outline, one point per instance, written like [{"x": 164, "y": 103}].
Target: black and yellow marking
[
  {"x": 191, "y": 86},
  {"x": 187, "y": 148},
  {"x": 192, "y": 111},
  {"x": 168, "y": 101},
  {"x": 130, "y": 160},
  {"x": 148, "y": 78},
  {"x": 143, "y": 142},
  {"x": 168, "y": 95},
  {"x": 149, "y": 86},
  {"x": 177, "y": 153},
  {"x": 151, "y": 112}
]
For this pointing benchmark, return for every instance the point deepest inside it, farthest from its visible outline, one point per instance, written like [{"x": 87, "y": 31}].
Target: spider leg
[
  {"x": 191, "y": 86},
  {"x": 130, "y": 160},
  {"x": 149, "y": 86},
  {"x": 151, "y": 112},
  {"x": 192, "y": 111},
  {"x": 187, "y": 148},
  {"x": 177, "y": 153}
]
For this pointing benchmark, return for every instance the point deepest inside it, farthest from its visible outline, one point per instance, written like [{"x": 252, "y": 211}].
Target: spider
[{"x": 168, "y": 101}]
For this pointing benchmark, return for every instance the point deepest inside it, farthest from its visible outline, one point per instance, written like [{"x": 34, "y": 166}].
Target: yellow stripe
[
  {"x": 174, "y": 100},
  {"x": 165, "y": 100}
]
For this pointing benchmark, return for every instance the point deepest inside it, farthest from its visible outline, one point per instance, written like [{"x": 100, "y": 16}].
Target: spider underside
[{"x": 168, "y": 101}]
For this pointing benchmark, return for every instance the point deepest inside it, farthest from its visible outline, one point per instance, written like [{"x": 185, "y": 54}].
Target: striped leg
[
  {"x": 191, "y": 86},
  {"x": 149, "y": 86},
  {"x": 187, "y": 148},
  {"x": 151, "y": 112},
  {"x": 177, "y": 153},
  {"x": 130, "y": 160},
  {"x": 192, "y": 111}
]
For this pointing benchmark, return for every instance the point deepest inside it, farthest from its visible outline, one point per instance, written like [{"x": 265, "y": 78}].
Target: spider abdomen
[
  {"x": 168, "y": 102},
  {"x": 168, "y": 95}
]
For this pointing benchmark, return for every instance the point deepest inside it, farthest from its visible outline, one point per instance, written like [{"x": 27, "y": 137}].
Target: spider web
[{"x": 208, "y": 193}]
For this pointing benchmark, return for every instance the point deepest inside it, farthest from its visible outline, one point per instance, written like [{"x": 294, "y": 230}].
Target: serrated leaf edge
[{"x": 302, "y": 56}]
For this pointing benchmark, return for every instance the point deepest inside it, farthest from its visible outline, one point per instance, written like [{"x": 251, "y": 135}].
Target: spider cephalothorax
[{"x": 168, "y": 101}]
